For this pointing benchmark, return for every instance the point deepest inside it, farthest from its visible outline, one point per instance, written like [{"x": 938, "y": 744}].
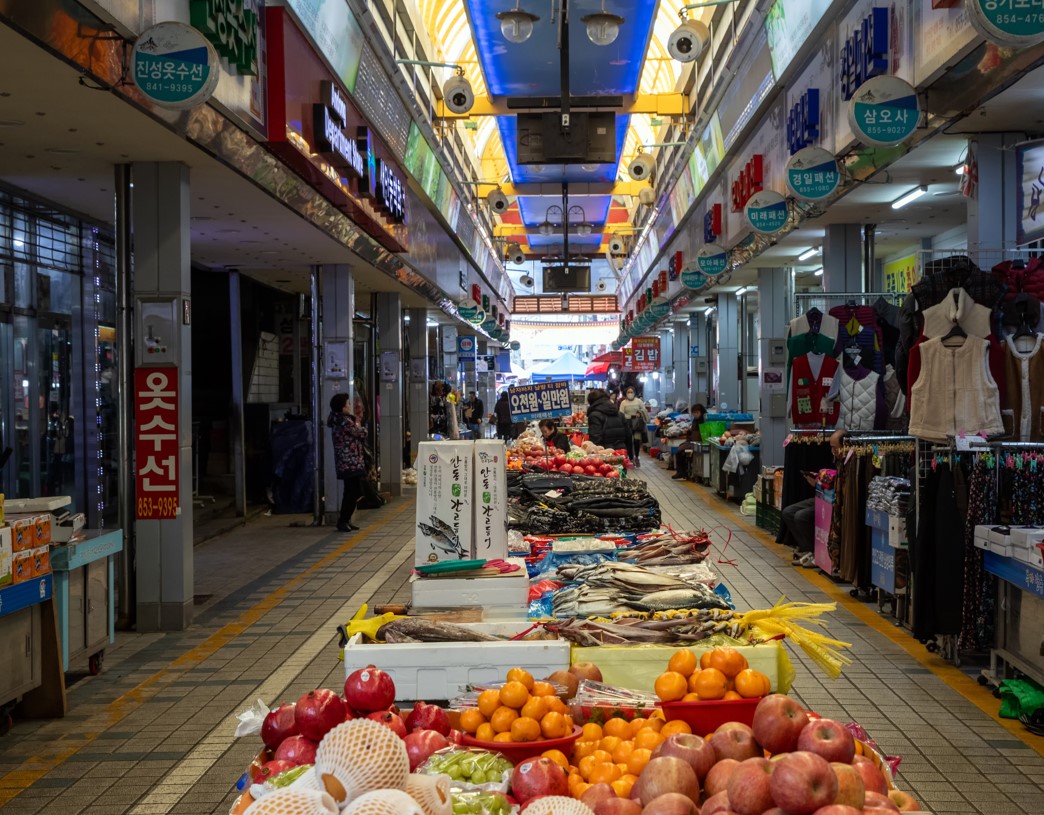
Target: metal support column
[
  {"x": 772, "y": 321},
  {"x": 235, "y": 329},
  {"x": 316, "y": 381},
  {"x": 418, "y": 396},
  {"x": 336, "y": 310},
  {"x": 992, "y": 213},
  {"x": 388, "y": 312},
  {"x": 125, "y": 588},
  {"x": 843, "y": 258}
]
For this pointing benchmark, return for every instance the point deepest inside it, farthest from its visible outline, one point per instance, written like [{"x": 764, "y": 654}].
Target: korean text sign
[
  {"x": 156, "y": 443},
  {"x": 542, "y": 401},
  {"x": 642, "y": 355}
]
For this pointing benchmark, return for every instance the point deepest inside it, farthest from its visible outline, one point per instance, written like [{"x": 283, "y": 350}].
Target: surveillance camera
[
  {"x": 646, "y": 196},
  {"x": 526, "y": 281},
  {"x": 498, "y": 202},
  {"x": 616, "y": 246},
  {"x": 458, "y": 94},
  {"x": 688, "y": 41},
  {"x": 517, "y": 255},
  {"x": 641, "y": 168},
  {"x": 602, "y": 285}
]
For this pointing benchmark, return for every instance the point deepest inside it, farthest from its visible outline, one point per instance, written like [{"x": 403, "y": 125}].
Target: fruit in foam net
[
  {"x": 803, "y": 782},
  {"x": 778, "y": 722},
  {"x": 850, "y": 789},
  {"x": 829, "y": 739},
  {"x": 696, "y": 751},
  {"x": 749, "y": 791},
  {"x": 278, "y": 725},
  {"x": 666, "y": 774},
  {"x": 369, "y": 689},
  {"x": 318, "y": 712},
  {"x": 537, "y": 777}
]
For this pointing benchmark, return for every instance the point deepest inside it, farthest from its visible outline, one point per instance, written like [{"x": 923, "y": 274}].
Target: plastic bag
[
  {"x": 278, "y": 782},
  {"x": 470, "y": 769},
  {"x": 479, "y": 802},
  {"x": 251, "y": 719},
  {"x": 732, "y": 461},
  {"x": 887, "y": 764},
  {"x": 542, "y": 587}
]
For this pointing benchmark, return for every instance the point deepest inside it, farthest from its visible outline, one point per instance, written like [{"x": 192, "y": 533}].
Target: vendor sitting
[
  {"x": 683, "y": 458},
  {"x": 799, "y": 518},
  {"x": 554, "y": 437}
]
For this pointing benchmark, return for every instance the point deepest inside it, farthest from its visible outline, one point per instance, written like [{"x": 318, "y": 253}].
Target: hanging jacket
[
  {"x": 348, "y": 445},
  {"x": 860, "y": 395},
  {"x": 955, "y": 392},
  {"x": 1022, "y": 406},
  {"x": 813, "y": 376},
  {"x": 1029, "y": 279},
  {"x": 811, "y": 333},
  {"x": 957, "y": 308},
  {"x": 858, "y": 327},
  {"x": 605, "y": 425}
]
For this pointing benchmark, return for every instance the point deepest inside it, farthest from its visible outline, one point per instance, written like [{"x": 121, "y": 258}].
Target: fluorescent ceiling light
[
  {"x": 909, "y": 197},
  {"x": 960, "y": 169},
  {"x": 433, "y": 324},
  {"x": 741, "y": 292},
  {"x": 809, "y": 253},
  {"x": 818, "y": 272}
]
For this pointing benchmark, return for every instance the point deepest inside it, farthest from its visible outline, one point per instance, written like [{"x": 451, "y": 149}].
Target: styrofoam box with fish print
[
  {"x": 438, "y": 671},
  {"x": 445, "y": 515},
  {"x": 504, "y": 591},
  {"x": 490, "y": 499}
]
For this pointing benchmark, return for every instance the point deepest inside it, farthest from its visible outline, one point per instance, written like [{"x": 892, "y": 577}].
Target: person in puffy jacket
[
  {"x": 605, "y": 426},
  {"x": 637, "y": 417},
  {"x": 348, "y": 436}
]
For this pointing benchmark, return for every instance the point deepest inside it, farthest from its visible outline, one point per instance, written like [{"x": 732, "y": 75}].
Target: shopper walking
[
  {"x": 348, "y": 438},
  {"x": 605, "y": 426},
  {"x": 637, "y": 418},
  {"x": 554, "y": 437},
  {"x": 473, "y": 410},
  {"x": 502, "y": 417},
  {"x": 452, "y": 404}
]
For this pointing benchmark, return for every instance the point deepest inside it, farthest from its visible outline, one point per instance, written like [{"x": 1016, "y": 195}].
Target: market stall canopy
[
  {"x": 599, "y": 367},
  {"x": 567, "y": 366}
]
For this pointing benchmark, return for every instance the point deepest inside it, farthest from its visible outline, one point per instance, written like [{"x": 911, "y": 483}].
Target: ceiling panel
[
  {"x": 552, "y": 173},
  {"x": 534, "y": 208}
]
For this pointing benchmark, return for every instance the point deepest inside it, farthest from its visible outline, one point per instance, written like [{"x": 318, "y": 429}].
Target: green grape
[{"x": 478, "y": 777}]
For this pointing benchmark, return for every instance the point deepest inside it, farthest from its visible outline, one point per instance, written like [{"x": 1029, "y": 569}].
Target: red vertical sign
[
  {"x": 643, "y": 354},
  {"x": 156, "y": 443}
]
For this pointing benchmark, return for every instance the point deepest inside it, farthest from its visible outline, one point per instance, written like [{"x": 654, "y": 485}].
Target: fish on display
[
  {"x": 679, "y": 598},
  {"x": 418, "y": 629}
]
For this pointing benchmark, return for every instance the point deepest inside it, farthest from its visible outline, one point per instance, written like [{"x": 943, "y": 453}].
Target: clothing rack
[{"x": 824, "y": 302}]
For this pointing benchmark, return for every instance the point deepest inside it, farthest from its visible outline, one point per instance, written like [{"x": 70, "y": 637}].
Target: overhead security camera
[
  {"x": 616, "y": 246},
  {"x": 646, "y": 196},
  {"x": 602, "y": 285},
  {"x": 641, "y": 167},
  {"x": 688, "y": 40},
  {"x": 526, "y": 281},
  {"x": 458, "y": 94},
  {"x": 498, "y": 202},
  {"x": 515, "y": 254}
]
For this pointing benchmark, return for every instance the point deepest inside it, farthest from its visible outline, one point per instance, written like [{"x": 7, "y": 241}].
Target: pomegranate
[
  {"x": 369, "y": 689},
  {"x": 318, "y": 712},
  {"x": 420, "y": 744},
  {"x": 296, "y": 750},
  {"x": 270, "y": 769},
  {"x": 278, "y": 725},
  {"x": 428, "y": 717},
  {"x": 393, "y": 721}
]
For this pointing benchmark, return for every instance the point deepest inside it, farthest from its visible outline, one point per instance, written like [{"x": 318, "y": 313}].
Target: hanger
[
  {"x": 851, "y": 303},
  {"x": 1018, "y": 265},
  {"x": 955, "y": 332},
  {"x": 813, "y": 313},
  {"x": 1025, "y": 327}
]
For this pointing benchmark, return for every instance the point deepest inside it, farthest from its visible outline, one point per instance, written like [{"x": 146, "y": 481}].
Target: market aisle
[{"x": 955, "y": 758}]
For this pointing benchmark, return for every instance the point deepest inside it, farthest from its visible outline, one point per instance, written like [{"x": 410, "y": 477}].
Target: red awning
[
  {"x": 611, "y": 357},
  {"x": 597, "y": 368}
]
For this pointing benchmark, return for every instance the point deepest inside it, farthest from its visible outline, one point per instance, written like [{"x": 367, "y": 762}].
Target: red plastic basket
[
  {"x": 706, "y": 717},
  {"x": 520, "y": 751}
]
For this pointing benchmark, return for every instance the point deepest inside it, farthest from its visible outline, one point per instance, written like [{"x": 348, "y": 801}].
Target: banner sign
[
  {"x": 901, "y": 274},
  {"x": 1029, "y": 168},
  {"x": 156, "y": 443},
  {"x": 884, "y": 111},
  {"x": 693, "y": 278},
  {"x": 812, "y": 174},
  {"x": 767, "y": 211},
  {"x": 465, "y": 348},
  {"x": 643, "y": 354},
  {"x": 174, "y": 66},
  {"x": 545, "y": 400}
]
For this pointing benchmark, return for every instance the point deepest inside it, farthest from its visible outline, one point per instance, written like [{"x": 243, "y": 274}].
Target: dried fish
[
  {"x": 689, "y": 597},
  {"x": 423, "y": 630}
]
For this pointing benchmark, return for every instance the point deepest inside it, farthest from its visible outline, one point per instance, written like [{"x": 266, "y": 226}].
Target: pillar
[
  {"x": 681, "y": 363},
  {"x": 993, "y": 214},
  {"x": 699, "y": 383},
  {"x": 419, "y": 387},
  {"x": 336, "y": 310},
  {"x": 389, "y": 340},
  {"x": 772, "y": 321},
  {"x": 843, "y": 258},
  {"x": 727, "y": 374},
  {"x": 449, "y": 352},
  {"x": 162, "y": 287},
  {"x": 235, "y": 344}
]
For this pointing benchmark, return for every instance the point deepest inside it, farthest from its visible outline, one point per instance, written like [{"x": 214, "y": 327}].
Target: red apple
[
  {"x": 536, "y": 777},
  {"x": 369, "y": 689},
  {"x": 873, "y": 778},
  {"x": 850, "y": 789},
  {"x": 748, "y": 790},
  {"x": 828, "y": 739},
  {"x": 278, "y": 725},
  {"x": 596, "y": 793},
  {"x": 718, "y": 778},
  {"x": 803, "y": 782},
  {"x": 775, "y": 811},
  {"x": 318, "y": 712},
  {"x": 673, "y": 803},
  {"x": 428, "y": 717},
  {"x": 393, "y": 721},
  {"x": 586, "y": 670},
  {"x": 735, "y": 743},
  {"x": 695, "y": 750},
  {"x": 716, "y": 804},
  {"x": 420, "y": 744},
  {"x": 270, "y": 769},
  {"x": 778, "y": 722},
  {"x": 667, "y": 774},
  {"x": 296, "y": 750},
  {"x": 903, "y": 800},
  {"x": 835, "y": 809},
  {"x": 619, "y": 806},
  {"x": 877, "y": 803}
]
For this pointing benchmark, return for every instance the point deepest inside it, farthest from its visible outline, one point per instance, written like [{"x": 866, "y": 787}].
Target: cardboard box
[
  {"x": 22, "y": 566},
  {"x": 42, "y": 525},
  {"x": 503, "y": 591},
  {"x": 491, "y": 500},
  {"x": 6, "y": 556},
  {"x": 445, "y": 514},
  {"x": 23, "y": 532},
  {"x": 897, "y": 532},
  {"x": 41, "y": 561}
]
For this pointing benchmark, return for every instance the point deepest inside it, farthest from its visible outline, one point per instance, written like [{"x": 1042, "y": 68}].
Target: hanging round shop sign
[
  {"x": 489, "y": 326},
  {"x": 712, "y": 260},
  {"x": 471, "y": 312},
  {"x": 884, "y": 111},
  {"x": 174, "y": 66},
  {"x": 766, "y": 211},
  {"x": 515, "y": 345},
  {"x": 812, "y": 174},
  {"x": 616, "y": 344},
  {"x": 693, "y": 278},
  {"x": 1006, "y": 22},
  {"x": 660, "y": 308}
]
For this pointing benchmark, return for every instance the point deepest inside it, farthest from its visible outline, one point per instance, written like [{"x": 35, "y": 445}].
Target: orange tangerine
[
  {"x": 670, "y": 686},
  {"x": 727, "y": 660},
  {"x": 591, "y": 732},
  {"x": 485, "y": 732},
  {"x": 581, "y": 788},
  {"x": 623, "y": 752},
  {"x": 543, "y": 689},
  {"x": 705, "y": 659},
  {"x": 525, "y": 729},
  {"x": 709, "y": 683},
  {"x": 677, "y": 726},
  {"x": 656, "y": 722},
  {"x": 638, "y": 723},
  {"x": 608, "y": 743},
  {"x": 556, "y": 705},
  {"x": 622, "y": 786},
  {"x": 691, "y": 697},
  {"x": 585, "y": 766},
  {"x": 488, "y": 702},
  {"x": 751, "y": 684},
  {"x": 471, "y": 719},
  {"x": 502, "y": 737},
  {"x": 604, "y": 774},
  {"x": 573, "y": 780},
  {"x": 583, "y": 749},
  {"x": 683, "y": 662},
  {"x": 603, "y": 757},
  {"x": 558, "y": 757},
  {"x": 638, "y": 759},
  {"x": 521, "y": 675},
  {"x": 535, "y": 708},
  {"x": 514, "y": 694},
  {"x": 502, "y": 719},
  {"x": 620, "y": 728},
  {"x": 731, "y": 696},
  {"x": 649, "y": 739},
  {"x": 555, "y": 726}
]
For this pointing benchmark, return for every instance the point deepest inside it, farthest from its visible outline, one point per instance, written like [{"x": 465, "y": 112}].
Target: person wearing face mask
[{"x": 637, "y": 419}]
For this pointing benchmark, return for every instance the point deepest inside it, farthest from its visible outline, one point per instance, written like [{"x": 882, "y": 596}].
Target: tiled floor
[{"x": 153, "y": 733}]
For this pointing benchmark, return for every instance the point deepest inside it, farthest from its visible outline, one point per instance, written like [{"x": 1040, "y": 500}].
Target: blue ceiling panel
[
  {"x": 533, "y": 208},
  {"x": 589, "y": 241},
  {"x": 554, "y": 173}
]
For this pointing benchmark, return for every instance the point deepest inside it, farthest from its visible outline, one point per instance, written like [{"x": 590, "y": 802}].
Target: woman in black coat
[
  {"x": 605, "y": 425},
  {"x": 554, "y": 437}
]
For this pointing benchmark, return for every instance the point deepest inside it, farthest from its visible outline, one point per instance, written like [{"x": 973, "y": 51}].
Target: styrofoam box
[
  {"x": 1002, "y": 549},
  {"x": 510, "y": 590},
  {"x": 445, "y": 493},
  {"x": 896, "y": 532},
  {"x": 1000, "y": 535},
  {"x": 1026, "y": 536},
  {"x": 1031, "y": 556},
  {"x": 981, "y": 543},
  {"x": 6, "y": 556},
  {"x": 438, "y": 671},
  {"x": 982, "y": 537}
]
